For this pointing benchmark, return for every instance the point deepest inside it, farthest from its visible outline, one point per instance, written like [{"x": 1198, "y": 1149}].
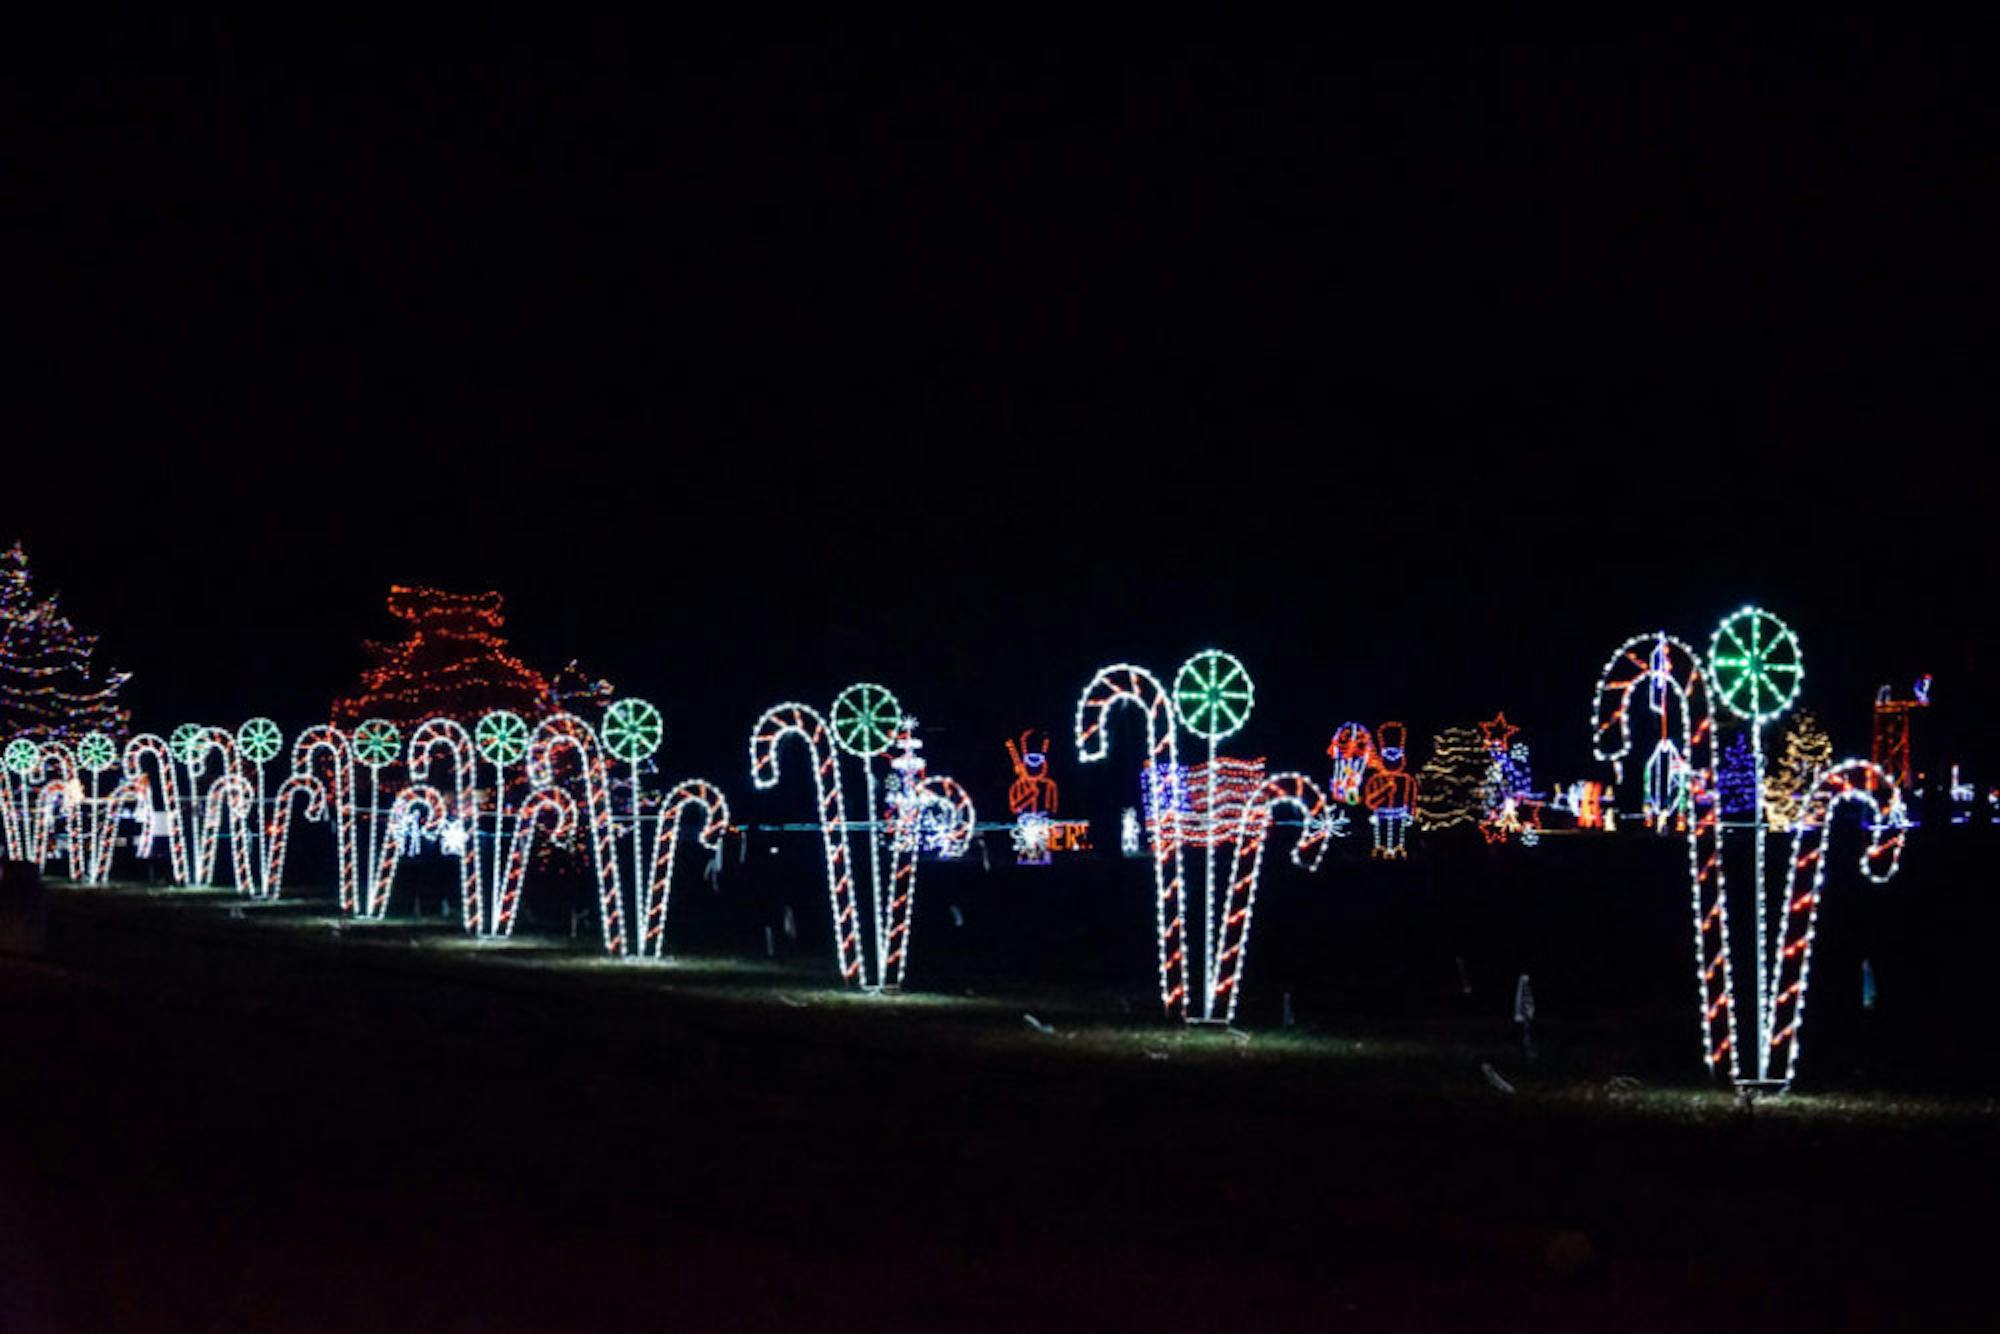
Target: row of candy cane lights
[
  {"x": 1677, "y": 692},
  {"x": 223, "y": 794}
]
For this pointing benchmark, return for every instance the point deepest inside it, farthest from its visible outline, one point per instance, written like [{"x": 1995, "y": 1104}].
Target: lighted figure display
[
  {"x": 1390, "y": 793},
  {"x": 1220, "y": 803},
  {"x": 1033, "y": 799},
  {"x": 1353, "y": 753},
  {"x": 1889, "y": 746},
  {"x": 1757, "y": 669},
  {"x": 1509, "y": 805},
  {"x": 866, "y": 723}
]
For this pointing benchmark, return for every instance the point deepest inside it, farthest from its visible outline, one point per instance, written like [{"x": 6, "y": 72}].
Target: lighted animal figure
[
  {"x": 1033, "y": 792},
  {"x": 1390, "y": 794}
]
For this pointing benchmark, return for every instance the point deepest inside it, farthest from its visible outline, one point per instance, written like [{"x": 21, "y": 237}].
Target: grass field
[{"x": 220, "y": 1115}]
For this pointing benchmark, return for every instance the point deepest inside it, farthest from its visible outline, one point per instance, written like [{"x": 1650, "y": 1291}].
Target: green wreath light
[
  {"x": 502, "y": 737},
  {"x": 632, "y": 730},
  {"x": 1757, "y": 664},
  {"x": 865, "y": 719},
  {"x": 184, "y": 741},
  {"x": 260, "y": 740},
  {"x": 96, "y": 752},
  {"x": 1213, "y": 694},
  {"x": 376, "y": 742},
  {"x": 23, "y": 755}
]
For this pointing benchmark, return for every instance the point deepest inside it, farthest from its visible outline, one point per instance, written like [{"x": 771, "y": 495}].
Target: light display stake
[{"x": 1758, "y": 671}]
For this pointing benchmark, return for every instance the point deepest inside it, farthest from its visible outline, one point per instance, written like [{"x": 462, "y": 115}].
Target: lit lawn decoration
[
  {"x": 1390, "y": 793},
  {"x": 329, "y": 797},
  {"x": 1667, "y": 675},
  {"x": 1220, "y": 803},
  {"x": 1353, "y": 753},
  {"x": 871, "y": 947},
  {"x": 458, "y": 827},
  {"x": 377, "y": 743},
  {"x": 501, "y": 737},
  {"x": 1034, "y": 799},
  {"x": 95, "y": 753},
  {"x": 1754, "y": 671},
  {"x": 224, "y": 798},
  {"x": 159, "y": 793},
  {"x": 20, "y": 756},
  {"x": 54, "y": 798},
  {"x": 633, "y": 732}
]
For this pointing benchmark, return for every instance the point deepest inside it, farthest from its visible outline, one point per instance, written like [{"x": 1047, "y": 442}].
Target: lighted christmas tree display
[
  {"x": 452, "y": 664},
  {"x": 1807, "y": 753},
  {"x": 1451, "y": 785},
  {"x": 49, "y": 686},
  {"x": 1738, "y": 780}
]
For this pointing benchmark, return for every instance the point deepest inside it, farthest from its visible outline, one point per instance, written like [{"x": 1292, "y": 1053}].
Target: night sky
[{"x": 1416, "y": 367}]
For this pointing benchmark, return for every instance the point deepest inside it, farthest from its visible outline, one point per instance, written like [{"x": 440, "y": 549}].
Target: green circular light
[
  {"x": 96, "y": 753},
  {"x": 260, "y": 740},
  {"x": 1213, "y": 694},
  {"x": 502, "y": 737},
  {"x": 866, "y": 719},
  {"x": 1757, "y": 664},
  {"x": 376, "y": 742},
  {"x": 186, "y": 742},
  {"x": 23, "y": 755},
  {"x": 632, "y": 730}
]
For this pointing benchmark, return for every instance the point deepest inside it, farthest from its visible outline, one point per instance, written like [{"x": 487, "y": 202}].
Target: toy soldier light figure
[{"x": 1390, "y": 793}]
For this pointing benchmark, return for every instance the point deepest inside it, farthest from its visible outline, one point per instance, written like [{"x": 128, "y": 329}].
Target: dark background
[{"x": 1417, "y": 366}]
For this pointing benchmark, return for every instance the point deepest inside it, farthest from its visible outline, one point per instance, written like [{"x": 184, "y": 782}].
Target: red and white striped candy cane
[
  {"x": 131, "y": 799},
  {"x": 232, "y": 796},
  {"x": 278, "y": 832},
  {"x": 690, "y": 794},
  {"x": 419, "y": 803},
  {"x": 1871, "y": 790},
  {"x": 1124, "y": 683},
  {"x": 457, "y": 742},
  {"x": 560, "y": 807},
  {"x": 804, "y": 722},
  {"x": 937, "y": 791},
  {"x": 219, "y": 741},
  {"x": 331, "y": 744},
  {"x": 1246, "y": 866},
  {"x": 55, "y": 799},
  {"x": 166, "y": 789},
  {"x": 566, "y": 731},
  {"x": 1670, "y": 668}
]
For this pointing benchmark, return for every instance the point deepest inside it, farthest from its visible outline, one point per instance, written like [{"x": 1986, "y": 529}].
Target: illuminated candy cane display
[
  {"x": 565, "y": 731},
  {"x": 164, "y": 788},
  {"x": 1123, "y": 683},
  {"x": 501, "y": 738},
  {"x": 417, "y": 812},
  {"x": 96, "y": 753},
  {"x": 231, "y": 797},
  {"x": 804, "y": 722},
  {"x": 329, "y": 744},
  {"x": 374, "y": 744},
  {"x": 451, "y": 736},
  {"x": 278, "y": 832},
  {"x": 1853, "y": 782},
  {"x": 560, "y": 807},
  {"x": 1215, "y": 806},
  {"x": 867, "y": 723},
  {"x": 1668, "y": 675},
  {"x": 196, "y": 750},
  {"x": 690, "y": 795},
  {"x": 930, "y": 811},
  {"x": 1301, "y": 794},
  {"x": 20, "y": 756},
  {"x": 130, "y": 800},
  {"x": 57, "y": 795}
]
